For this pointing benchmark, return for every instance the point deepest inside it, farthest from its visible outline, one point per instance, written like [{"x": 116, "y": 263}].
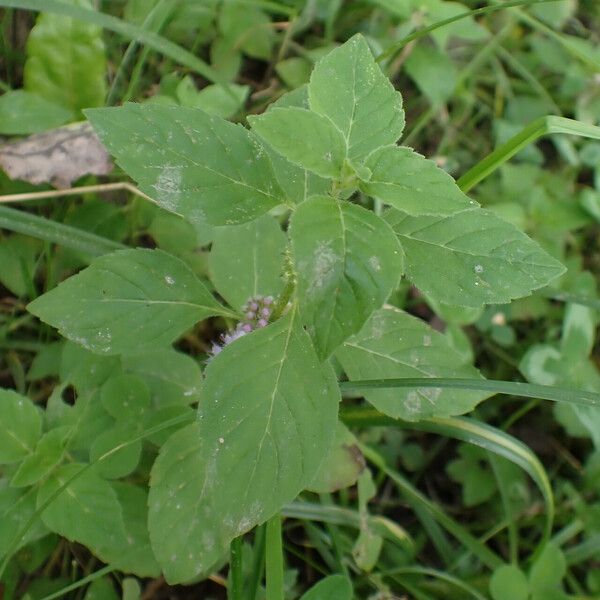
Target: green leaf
[
  {"x": 334, "y": 587},
  {"x": 247, "y": 260},
  {"x": 195, "y": 164},
  {"x": 122, "y": 462},
  {"x": 133, "y": 554},
  {"x": 125, "y": 397},
  {"x": 548, "y": 570},
  {"x": 411, "y": 183},
  {"x": 303, "y": 137},
  {"x": 433, "y": 72},
  {"x": 342, "y": 466},
  {"x": 65, "y": 61},
  {"x": 579, "y": 332},
  {"x": 17, "y": 507},
  {"x": 101, "y": 589},
  {"x": 298, "y": 183},
  {"x": 347, "y": 262},
  {"x": 174, "y": 378},
  {"x": 128, "y": 301},
  {"x": 509, "y": 581},
  {"x": 20, "y": 426},
  {"x": 47, "y": 454},
  {"x": 262, "y": 431},
  {"x": 393, "y": 344},
  {"x": 86, "y": 511},
  {"x": 471, "y": 257},
  {"x": 349, "y": 88},
  {"x": 215, "y": 99},
  {"x": 473, "y": 472},
  {"x": 247, "y": 28},
  {"x": 22, "y": 113}
]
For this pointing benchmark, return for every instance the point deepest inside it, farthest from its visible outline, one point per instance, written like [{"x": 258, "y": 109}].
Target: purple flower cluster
[{"x": 257, "y": 312}]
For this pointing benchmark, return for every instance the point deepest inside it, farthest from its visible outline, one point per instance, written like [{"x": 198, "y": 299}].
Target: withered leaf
[{"x": 58, "y": 156}]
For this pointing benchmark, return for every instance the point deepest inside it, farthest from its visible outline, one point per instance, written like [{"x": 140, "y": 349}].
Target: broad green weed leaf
[
  {"x": 349, "y": 88},
  {"x": 579, "y": 332},
  {"x": 263, "y": 428},
  {"x": 508, "y": 581},
  {"x": 17, "y": 506},
  {"x": 478, "y": 481},
  {"x": 47, "y": 454},
  {"x": 174, "y": 378},
  {"x": 342, "y": 466},
  {"x": 471, "y": 257},
  {"x": 247, "y": 260},
  {"x": 347, "y": 263},
  {"x": 305, "y": 138},
  {"x": 87, "y": 511},
  {"x": 213, "y": 99},
  {"x": 65, "y": 61},
  {"x": 133, "y": 554},
  {"x": 101, "y": 589},
  {"x": 547, "y": 571},
  {"x": 334, "y": 587},
  {"x": 394, "y": 344},
  {"x": 125, "y": 397},
  {"x": 411, "y": 183},
  {"x": 123, "y": 461},
  {"x": 247, "y": 28},
  {"x": 128, "y": 301},
  {"x": 84, "y": 369},
  {"x": 20, "y": 426},
  {"x": 23, "y": 113},
  {"x": 298, "y": 183},
  {"x": 433, "y": 71},
  {"x": 195, "y": 164}
]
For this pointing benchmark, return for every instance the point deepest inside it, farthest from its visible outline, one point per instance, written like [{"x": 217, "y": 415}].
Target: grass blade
[
  {"x": 511, "y": 388},
  {"x": 531, "y": 133},
  {"x": 416, "y": 498},
  {"x": 335, "y": 515},
  {"x": 395, "y": 48},
  {"x": 473, "y": 432},
  {"x": 436, "y": 574},
  {"x": 56, "y": 233}
]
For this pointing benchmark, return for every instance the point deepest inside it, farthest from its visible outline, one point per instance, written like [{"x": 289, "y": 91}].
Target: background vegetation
[{"x": 445, "y": 508}]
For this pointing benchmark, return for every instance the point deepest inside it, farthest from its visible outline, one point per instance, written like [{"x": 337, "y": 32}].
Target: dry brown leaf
[{"x": 59, "y": 156}]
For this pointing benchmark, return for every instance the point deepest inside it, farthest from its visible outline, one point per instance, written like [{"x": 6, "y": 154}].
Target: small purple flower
[{"x": 257, "y": 312}]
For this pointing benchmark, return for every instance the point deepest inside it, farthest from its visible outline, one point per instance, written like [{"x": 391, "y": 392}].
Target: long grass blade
[
  {"x": 64, "y": 235},
  {"x": 416, "y": 498},
  {"x": 532, "y": 132},
  {"x": 511, "y": 388},
  {"x": 345, "y": 517},
  {"x": 473, "y": 432}
]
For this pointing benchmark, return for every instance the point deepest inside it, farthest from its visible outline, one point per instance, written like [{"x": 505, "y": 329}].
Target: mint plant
[{"x": 295, "y": 203}]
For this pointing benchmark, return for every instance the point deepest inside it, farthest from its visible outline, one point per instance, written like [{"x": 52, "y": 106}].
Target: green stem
[
  {"x": 258, "y": 562},
  {"x": 236, "y": 567},
  {"x": 533, "y": 131},
  {"x": 283, "y": 299},
  {"x": 274, "y": 559}
]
